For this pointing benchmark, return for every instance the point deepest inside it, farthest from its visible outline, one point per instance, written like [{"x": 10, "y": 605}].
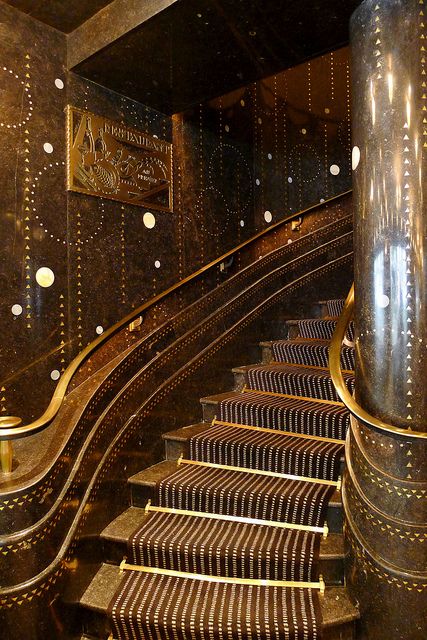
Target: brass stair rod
[
  {"x": 149, "y": 508},
  {"x": 11, "y": 427},
  {"x": 292, "y": 397},
  {"x": 261, "y": 582},
  {"x": 290, "y": 434},
  {"x": 259, "y": 472}
]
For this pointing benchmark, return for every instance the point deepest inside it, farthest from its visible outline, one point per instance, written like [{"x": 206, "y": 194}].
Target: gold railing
[
  {"x": 337, "y": 377},
  {"x": 11, "y": 427}
]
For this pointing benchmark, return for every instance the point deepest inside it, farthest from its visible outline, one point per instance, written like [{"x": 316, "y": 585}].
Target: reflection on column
[
  {"x": 390, "y": 129},
  {"x": 385, "y": 488}
]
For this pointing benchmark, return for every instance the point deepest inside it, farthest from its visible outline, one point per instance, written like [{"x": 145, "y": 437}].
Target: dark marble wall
[{"x": 241, "y": 161}]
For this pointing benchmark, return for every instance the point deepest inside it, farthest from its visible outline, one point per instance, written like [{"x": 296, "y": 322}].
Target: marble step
[
  {"x": 143, "y": 488},
  {"x": 289, "y": 378},
  {"x": 299, "y": 412},
  {"x": 177, "y": 442},
  {"x": 304, "y": 351},
  {"x": 116, "y": 535},
  {"x": 338, "y": 613}
]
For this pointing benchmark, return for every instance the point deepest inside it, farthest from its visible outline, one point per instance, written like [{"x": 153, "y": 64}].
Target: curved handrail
[
  {"x": 337, "y": 378},
  {"x": 11, "y": 427}
]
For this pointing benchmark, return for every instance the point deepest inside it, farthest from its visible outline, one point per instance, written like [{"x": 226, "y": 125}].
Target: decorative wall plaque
[{"x": 110, "y": 160}]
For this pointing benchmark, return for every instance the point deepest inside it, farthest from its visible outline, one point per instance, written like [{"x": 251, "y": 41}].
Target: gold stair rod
[
  {"x": 341, "y": 388},
  {"x": 259, "y": 472},
  {"x": 287, "y": 395},
  {"x": 305, "y": 366},
  {"x": 11, "y": 427},
  {"x": 223, "y": 579},
  {"x": 149, "y": 508},
  {"x": 302, "y": 436}
]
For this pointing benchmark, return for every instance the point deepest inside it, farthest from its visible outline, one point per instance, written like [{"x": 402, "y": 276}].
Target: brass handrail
[
  {"x": 337, "y": 378},
  {"x": 11, "y": 427}
]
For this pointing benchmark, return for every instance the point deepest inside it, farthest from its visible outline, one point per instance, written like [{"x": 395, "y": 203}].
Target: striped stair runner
[
  {"x": 335, "y": 307},
  {"x": 309, "y": 382},
  {"x": 249, "y": 504},
  {"x": 322, "y": 329},
  {"x": 312, "y": 352}
]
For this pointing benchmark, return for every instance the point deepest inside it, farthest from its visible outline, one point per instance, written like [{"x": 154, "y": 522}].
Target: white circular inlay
[
  {"x": 269, "y": 156},
  {"x": 227, "y": 128},
  {"x": 45, "y": 277},
  {"x": 16, "y": 309},
  {"x": 55, "y": 375},
  {"x": 242, "y": 223},
  {"x": 290, "y": 241},
  {"x": 242, "y": 102},
  {"x": 257, "y": 182},
  {"x": 157, "y": 264},
  {"x": 268, "y": 217},
  {"x": 290, "y": 180},
  {"x": 99, "y": 329},
  {"x": 327, "y": 110},
  {"x": 59, "y": 84},
  {"x": 259, "y": 120},
  {"x": 304, "y": 131},
  {"x": 334, "y": 169},
  {"x": 355, "y": 158},
  {"x": 149, "y": 220},
  {"x": 383, "y": 301},
  {"x": 322, "y": 199},
  {"x": 48, "y": 147}
]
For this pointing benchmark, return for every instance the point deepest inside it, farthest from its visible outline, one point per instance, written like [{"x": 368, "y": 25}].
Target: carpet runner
[
  {"x": 296, "y": 380},
  {"x": 250, "y": 503},
  {"x": 335, "y": 307},
  {"x": 156, "y": 606},
  {"x": 312, "y": 353}
]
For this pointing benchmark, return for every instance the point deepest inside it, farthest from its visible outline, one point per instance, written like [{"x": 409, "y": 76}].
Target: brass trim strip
[
  {"x": 303, "y": 436},
  {"x": 305, "y": 366},
  {"x": 287, "y": 395},
  {"x": 223, "y": 579},
  {"x": 335, "y": 367},
  {"x": 259, "y": 472},
  {"x": 18, "y": 430},
  {"x": 149, "y": 508}
]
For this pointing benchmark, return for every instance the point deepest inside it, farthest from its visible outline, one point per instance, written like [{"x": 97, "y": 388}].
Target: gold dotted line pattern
[
  {"x": 402, "y": 533},
  {"x": 120, "y": 407},
  {"x": 136, "y": 355},
  {"x": 382, "y": 483},
  {"x": 9, "y": 601},
  {"x": 369, "y": 566}
]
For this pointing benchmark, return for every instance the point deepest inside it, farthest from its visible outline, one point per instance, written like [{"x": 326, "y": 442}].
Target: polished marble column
[{"x": 385, "y": 488}]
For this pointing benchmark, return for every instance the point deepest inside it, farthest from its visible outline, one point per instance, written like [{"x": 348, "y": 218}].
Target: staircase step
[
  {"x": 267, "y": 451},
  {"x": 338, "y": 613},
  {"x": 144, "y": 487},
  {"x": 290, "y": 379},
  {"x": 306, "y": 352},
  {"x": 210, "y": 403},
  {"x": 278, "y": 412},
  {"x": 177, "y": 442},
  {"x": 239, "y": 493},
  {"x": 117, "y": 535},
  {"x": 144, "y": 483},
  {"x": 321, "y": 329},
  {"x": 335, "y": 307}
]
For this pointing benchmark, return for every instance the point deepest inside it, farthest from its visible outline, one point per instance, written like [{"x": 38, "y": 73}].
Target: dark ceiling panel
[
  {"x": 64, "y": 15},
  {"x": 199, "y": 49}
]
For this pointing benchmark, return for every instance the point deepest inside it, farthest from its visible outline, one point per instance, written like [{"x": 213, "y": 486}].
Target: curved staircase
[{"x": 237, "y": 534}]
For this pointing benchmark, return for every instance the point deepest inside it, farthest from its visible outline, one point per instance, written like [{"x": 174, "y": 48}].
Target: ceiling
[
  {"x": 173, "y": 54},
  {"x": 64, "y": 15}
]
